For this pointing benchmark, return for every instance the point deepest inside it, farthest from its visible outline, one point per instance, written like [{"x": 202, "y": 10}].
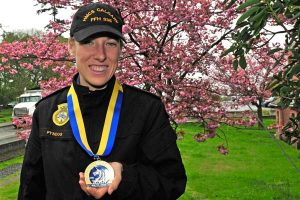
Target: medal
[{"x": 99, "y": 173}]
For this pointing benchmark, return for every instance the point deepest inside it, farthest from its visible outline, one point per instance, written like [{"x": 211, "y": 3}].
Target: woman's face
[{"x": 96, "y": 59}]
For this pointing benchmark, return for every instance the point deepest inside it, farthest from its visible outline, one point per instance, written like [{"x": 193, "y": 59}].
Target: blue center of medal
[{"x": 98, "y": 176}]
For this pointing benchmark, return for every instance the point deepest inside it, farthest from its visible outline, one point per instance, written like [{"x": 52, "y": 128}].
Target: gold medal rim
[{"x": 88, "y": 169}]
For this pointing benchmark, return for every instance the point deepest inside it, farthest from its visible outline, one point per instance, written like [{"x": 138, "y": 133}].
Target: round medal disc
[{"x": 99, "y": 174}]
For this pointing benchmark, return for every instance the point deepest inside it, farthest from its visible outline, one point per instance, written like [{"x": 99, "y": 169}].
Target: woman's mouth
[{"x": 98, "y": 68}]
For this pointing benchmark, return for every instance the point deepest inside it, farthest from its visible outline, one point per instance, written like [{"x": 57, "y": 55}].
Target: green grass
[
  {"x": 16, "y": 160},
  {"x": 5, "y": 115},
  {"x": 254, "y": 169},
  {"x": 9, "y": 185}
]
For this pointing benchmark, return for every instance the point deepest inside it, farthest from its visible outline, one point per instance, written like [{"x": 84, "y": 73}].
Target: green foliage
[
  {"x": 291, "y": 129},
  {"x": 5, "y": 115},
  {"x": 295, "y": 70},
  {"x": 18, "y": 36},
  {"x": 255, "y": 16},
  {"x": 11, "y": 86},
  {"x": 247, "y": 14},
  {"x": 242, "y": 61},
  {"x": 247, "y": 3}
]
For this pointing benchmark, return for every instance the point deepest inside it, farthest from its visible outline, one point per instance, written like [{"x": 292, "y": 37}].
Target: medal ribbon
[{"x": 110, "y": 125}]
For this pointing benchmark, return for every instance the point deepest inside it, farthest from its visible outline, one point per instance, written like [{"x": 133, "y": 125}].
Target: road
[
  {"x": 7, "y": 134},
  {"x": 10, "y": 145}
]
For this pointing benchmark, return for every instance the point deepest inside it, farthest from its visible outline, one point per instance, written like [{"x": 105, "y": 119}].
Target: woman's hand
[{"x": 101, "y": 191}]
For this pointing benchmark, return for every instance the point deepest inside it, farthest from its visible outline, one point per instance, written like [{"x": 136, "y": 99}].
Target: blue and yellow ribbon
[{"x": 110, "y": 124}]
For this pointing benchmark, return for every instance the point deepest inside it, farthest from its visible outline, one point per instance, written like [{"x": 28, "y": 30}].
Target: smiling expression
[{"x": 96, "y": 59}]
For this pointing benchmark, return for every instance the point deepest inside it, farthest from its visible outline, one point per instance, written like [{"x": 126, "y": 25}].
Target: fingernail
[{"x": 110, "y": 192}]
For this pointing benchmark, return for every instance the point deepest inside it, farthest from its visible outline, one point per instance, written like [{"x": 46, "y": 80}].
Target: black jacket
[{"x": 145, "y": 144}]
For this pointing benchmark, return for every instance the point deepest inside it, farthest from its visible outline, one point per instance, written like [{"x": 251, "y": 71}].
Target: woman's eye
[
  {"x": 90, "y": 43},
  {"x": 111, "y": 44},
  {"x": 87, "y": 43}
]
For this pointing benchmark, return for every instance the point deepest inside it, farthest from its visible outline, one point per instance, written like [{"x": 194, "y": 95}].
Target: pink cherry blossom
[
  {"x": 223, "y": 150},
  {"x": 173, "y": 49}
]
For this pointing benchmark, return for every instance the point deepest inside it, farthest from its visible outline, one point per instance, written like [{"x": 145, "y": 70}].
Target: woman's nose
[{"x": 100, "y": 53}]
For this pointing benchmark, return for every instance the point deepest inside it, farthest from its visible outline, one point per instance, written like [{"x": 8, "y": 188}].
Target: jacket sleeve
[
  {"x": 160, "y": 173},
  {"x": 32, "y": 184}
]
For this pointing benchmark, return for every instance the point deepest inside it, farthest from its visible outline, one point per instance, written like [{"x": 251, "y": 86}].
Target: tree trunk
[{"x": 260, "y": 116}]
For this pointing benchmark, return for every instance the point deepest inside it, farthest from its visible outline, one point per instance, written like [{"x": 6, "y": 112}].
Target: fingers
[
  {"x": 99, "y": 192},
  {"x": 113, "y": 186},
  {"x": 82, "y": 183},
  {"x": 95, "y": 192},
  {"x": 118, "y": 168}
]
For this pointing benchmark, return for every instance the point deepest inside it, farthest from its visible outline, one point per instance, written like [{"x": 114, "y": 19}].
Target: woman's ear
[{"x": 71, "y": 46}]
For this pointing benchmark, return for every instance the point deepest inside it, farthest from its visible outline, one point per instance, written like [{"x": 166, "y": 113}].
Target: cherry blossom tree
[
  {"x": 43, "y": 52},
  {"x": 272, "y": 18},
  {"x": 171, "y": 47},
  {"x": 250, "y": 86},
  {"x": 169, "y": 44},
  {"x": 13, "y": 86}
]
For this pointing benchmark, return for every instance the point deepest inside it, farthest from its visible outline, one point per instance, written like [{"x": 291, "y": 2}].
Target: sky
[
  {"x": 21, "y": 15},
  {"x": 16, "y": 15}
]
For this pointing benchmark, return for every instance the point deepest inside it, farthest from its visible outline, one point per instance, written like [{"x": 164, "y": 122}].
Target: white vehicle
[{"x": 26, "y": 103}]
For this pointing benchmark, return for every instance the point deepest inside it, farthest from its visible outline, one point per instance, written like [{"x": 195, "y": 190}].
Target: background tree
[
  {"x": 264, "y": 18},
  {"x": 171, "y": 47},
  {"x": 15, "y": 76},
  {"x": 249, "y": 86},
  {"x": 271, "y": 18}
]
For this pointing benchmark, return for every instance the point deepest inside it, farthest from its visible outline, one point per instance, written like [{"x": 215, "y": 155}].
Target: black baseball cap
[{"x": 96, "y": 18}]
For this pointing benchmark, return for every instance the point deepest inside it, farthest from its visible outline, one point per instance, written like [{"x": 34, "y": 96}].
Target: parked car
[
  {"x": 26, "y": 103},
  {"x": 12, "y": 104}
]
